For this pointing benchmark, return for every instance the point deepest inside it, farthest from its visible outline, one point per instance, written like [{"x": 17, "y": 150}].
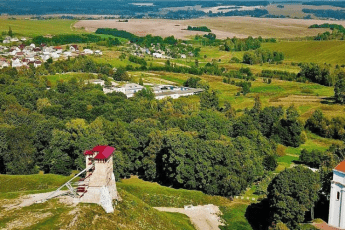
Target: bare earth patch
[
  {"x": 28, "y": 220},
  {"x": 204, "y": 217},
  {"x": 223, "y": 27},
  {"x": 33, "y": 198}
]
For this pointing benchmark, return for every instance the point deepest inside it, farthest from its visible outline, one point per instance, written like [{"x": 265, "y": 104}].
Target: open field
[
  {"x": 295, "y": 10},
  {"x": 310, "y": 51},
  {"x": 33, "y": 28},
  {"x": 223, "y": 26}
]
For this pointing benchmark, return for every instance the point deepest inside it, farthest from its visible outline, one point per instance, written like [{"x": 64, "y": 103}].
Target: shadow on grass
[
  {"x": 328, "y": 101},
  {"x": 257, "y": 215}
]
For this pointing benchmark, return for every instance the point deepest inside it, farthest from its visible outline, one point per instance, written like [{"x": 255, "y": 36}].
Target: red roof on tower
[
  {"x": 88, "y": 152},
  {"x": 341, "y": 167},
  {"x": 104, "y": 151}
]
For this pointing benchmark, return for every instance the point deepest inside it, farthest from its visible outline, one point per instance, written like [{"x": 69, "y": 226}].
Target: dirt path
[
  {"x": 204, "y": 217},
  {"x": 33, "y": 198}
]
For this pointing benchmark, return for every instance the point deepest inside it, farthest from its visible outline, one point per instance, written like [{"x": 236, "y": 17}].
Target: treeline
[
  {"x": 336, "y": 14},
  {"x": 146, "y": 41},
  {"x": 73, "y": 38},
  {"x": 324, "y": 127},
  {"x": 138, "y": 60},
  {"x": 262, "y": 56},
  {"x": 199, "y": 28},
  {"x": 250, "y": 43},
  {"x": 338, "y": 32},
  {"x": 278, "y": 74}
]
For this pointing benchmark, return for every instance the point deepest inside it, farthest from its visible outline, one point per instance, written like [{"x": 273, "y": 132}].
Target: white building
[
  {"x": 6, "y": 41},
  {"x": 88, "y": 51},
  {"x": 128, "y": 89},
  {"x": 16, "y": 63},
  {"x": 4, "y": 64},
  {"x": 14, "y": 40},
  {"x": 336, "y": 216},
  {"x": 183, "y": 56},
  {"x": 98, "y": 52},
  {"x": 157, "y": 55},
  {"x": 37, "y": 63}
]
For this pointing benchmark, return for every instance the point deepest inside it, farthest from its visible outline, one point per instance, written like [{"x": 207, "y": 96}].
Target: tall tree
[{"x": 292, "y": 193}]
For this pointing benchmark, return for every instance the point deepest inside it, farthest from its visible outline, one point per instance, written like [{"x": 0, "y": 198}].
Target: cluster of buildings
[
  {"x": 160, "y": 91},
  {"x": 23, "y": 56},
  {"x": 156, "y": 52}
]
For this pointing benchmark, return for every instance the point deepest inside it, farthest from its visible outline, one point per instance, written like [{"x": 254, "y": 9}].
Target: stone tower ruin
[{"x": 99, "y": 185}]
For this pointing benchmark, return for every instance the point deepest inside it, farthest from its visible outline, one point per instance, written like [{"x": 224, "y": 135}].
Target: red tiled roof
[
  {"x": 104, "y": 151},
  {"x": 341, "y": 167},
  {"x": 88, "y": 152}
]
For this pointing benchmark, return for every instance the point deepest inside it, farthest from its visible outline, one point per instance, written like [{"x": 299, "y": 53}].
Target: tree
[
  {"x": 145, "y": 93},
  {"x": 292, "y": 193},
  {"x": 209, "y": 100},
  {"x": 270, "y": 163},
  {"x": 10, "y": 33},
  {"x": 141, "y": 81},
  {"x": 339, "y": 89}
]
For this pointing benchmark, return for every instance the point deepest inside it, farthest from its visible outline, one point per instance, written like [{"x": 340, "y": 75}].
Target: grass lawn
[
  {"x": 33, "y": 28},
  {"x": 234, "y": 217},
  {"x": 160, "y": 196},
  {"x": 66, "y": 77}
]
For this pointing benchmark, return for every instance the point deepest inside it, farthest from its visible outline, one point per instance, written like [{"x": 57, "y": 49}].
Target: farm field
[
  {"x": 33, "y": 28},
  {"x": 295, "y": 10},
  {"x": 223, "y": 27},
  {"x": 310, "y": 51},
  {"x": 306, "y": 97}
]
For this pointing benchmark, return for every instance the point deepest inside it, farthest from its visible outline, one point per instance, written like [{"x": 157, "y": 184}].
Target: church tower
[{"x": 337, "y": 198}]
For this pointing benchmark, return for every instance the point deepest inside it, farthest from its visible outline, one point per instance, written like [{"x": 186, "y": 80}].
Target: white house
[
  {"x": 37, "y": 63},
  {"x": 33, "y": 45},
  {"x": 14, "y": 40},
  {"x": 183, "y": 56},
  {"x": 4, "y": 64},
  {"x": 336, "y": 216},
  {"x": 6, "y": 41},
  {"x": 55, "y": 55},
  {"x": 73, "y": 48},
  {"x": 68, "y": 54},
  {"x": 16, "y": 63},
  {"x": 45, "y": 57},
  {"x": 98, "y": 52},
  {"x": 23, "y": 39},
  {"x": 88, "y": 51},
  {"x": 157, "y": 55}
]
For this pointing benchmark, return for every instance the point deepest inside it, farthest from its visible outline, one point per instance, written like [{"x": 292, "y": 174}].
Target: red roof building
[
  {"x": 102, "y": 151},
  {"x": 341, "y": 167}
]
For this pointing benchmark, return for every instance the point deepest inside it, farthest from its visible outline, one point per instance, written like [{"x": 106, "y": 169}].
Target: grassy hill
[
  {"x": 135, "y": 211},
  {"x": 310, "y": 51}
]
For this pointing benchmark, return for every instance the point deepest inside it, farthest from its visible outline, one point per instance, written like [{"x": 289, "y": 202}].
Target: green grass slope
[
  {"x": 310, "y": 51},
  {"x": 130, "y": 213}
]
